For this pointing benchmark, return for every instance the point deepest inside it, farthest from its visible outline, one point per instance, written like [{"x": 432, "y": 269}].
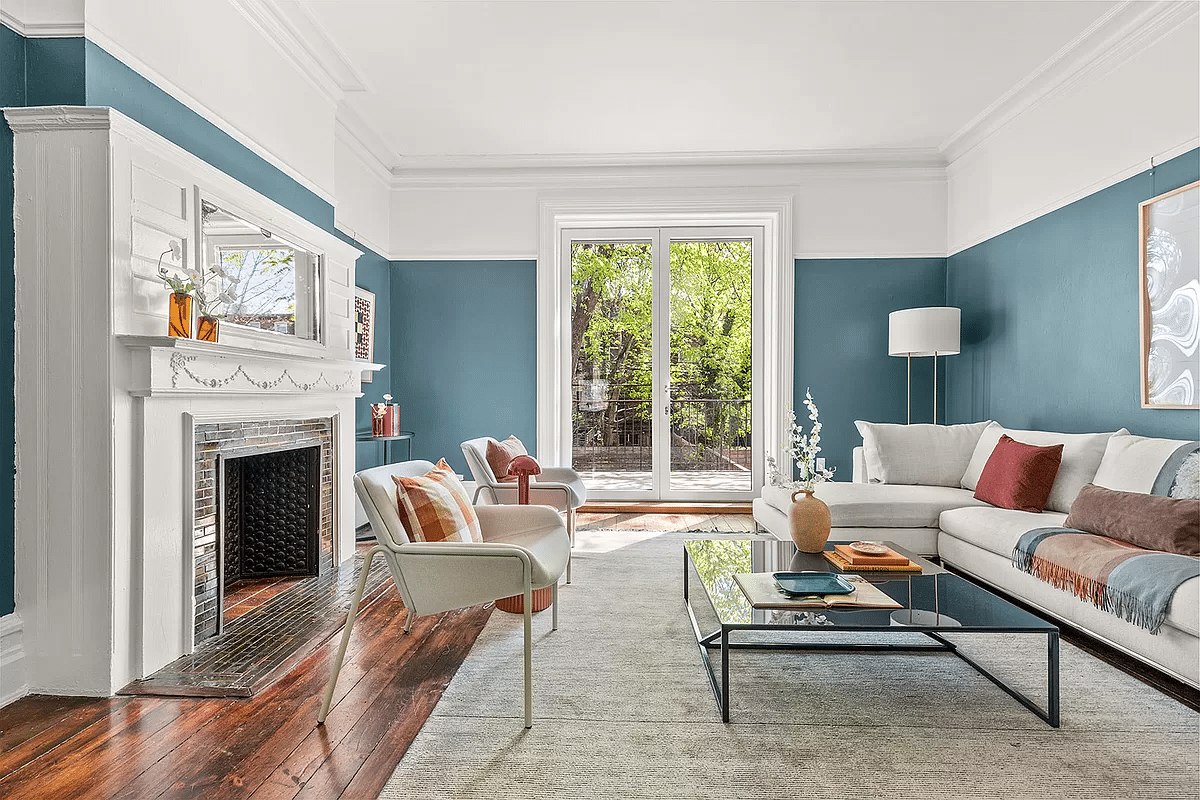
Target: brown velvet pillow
[
  {"x": 501, "y": 454},
  {"x": 1019, "y": 476},
  {"x": 1145, "y": 520}
]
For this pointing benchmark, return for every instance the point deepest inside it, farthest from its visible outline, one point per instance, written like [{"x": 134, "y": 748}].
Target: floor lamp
[{"x": 924, "y": 332}]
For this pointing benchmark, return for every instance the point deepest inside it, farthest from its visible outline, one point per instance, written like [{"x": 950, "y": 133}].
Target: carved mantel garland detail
[{"x": 179, "y": 364}]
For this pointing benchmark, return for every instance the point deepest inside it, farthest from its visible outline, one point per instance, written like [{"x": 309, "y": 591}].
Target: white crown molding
[
  {"x": 375, "y": 247},
  {"x": 307, "y": 31},
  {"x": 32, "y": 29},
  {"x": 353, "y": 131},
  {"x": 1066, "y": 200},
  {"x": 152, "y": 75},
  {"x": 651, "y": 169},
  {"x": 297, "y": 38},
  {"x": 1122, "y": 33}
]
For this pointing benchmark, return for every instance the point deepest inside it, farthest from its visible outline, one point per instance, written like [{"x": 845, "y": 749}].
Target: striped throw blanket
[{"x": 1134, "y": 584}]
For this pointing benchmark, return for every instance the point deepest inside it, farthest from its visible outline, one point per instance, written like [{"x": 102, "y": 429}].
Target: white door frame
[{"x": 715, "y": 209}]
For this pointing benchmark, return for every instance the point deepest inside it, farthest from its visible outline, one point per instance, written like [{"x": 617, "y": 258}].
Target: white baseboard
[{"x": 13, "y": 684}]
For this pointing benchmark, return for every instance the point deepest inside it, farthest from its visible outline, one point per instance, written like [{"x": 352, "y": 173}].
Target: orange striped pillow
[{"x": 434, "y": 508}]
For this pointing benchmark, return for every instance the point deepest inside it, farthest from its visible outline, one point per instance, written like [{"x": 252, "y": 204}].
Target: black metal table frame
[
  {"x": 406, "y": 436},
  {"x": 707, "y": 642}
]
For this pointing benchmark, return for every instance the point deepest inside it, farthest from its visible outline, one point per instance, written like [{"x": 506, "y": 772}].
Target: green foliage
[{"x": 710, "y": 333}]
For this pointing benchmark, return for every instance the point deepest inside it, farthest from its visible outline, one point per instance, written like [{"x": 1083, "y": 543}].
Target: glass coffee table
[{"x": 933, "y": 602}]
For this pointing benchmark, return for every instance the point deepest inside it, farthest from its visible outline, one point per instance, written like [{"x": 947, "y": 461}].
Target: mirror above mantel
[{"x": 257, "y": 278}]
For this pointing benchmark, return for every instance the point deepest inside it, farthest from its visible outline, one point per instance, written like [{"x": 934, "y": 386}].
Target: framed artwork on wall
[
  {"x": 364, "y": 329},
  {"x": 1169, "y": 227}
]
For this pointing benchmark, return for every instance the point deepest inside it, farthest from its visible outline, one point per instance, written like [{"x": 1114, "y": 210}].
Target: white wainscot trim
[
  {"x": 165, "y": 365},
  {"x": 13, "y": 684}
]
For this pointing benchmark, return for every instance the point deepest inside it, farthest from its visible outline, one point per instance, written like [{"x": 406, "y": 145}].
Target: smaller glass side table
[{"x": 402, "y": 436}]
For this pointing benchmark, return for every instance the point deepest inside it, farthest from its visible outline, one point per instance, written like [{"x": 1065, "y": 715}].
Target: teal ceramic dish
[{"x": 810, "y": 583}]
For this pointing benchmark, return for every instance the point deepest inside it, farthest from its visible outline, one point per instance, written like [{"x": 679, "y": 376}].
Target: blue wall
[
  {"x": 464, "y": 337},
  {"x": 54, "y": 72},
  {"x": 1050, "y": 318},
  {"x": 74, "y": 71},
  {"x": 842, "y": 308},
  {"x": 373, "y": 273}
]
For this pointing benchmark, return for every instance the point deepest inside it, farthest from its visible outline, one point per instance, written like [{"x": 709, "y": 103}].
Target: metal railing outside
[{"x": 613, "y": 433}]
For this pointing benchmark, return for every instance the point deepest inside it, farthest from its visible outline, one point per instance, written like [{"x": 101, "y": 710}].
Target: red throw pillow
[
  {"x": 500, "y": 454},
  {"x": 1018, "y": 475}
]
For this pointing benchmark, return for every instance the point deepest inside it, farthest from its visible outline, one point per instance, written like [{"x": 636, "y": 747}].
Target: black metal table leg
[{"x": 724, "y": 674}]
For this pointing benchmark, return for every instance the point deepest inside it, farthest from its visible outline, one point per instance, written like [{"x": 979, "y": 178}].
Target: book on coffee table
[
  {"x": 862, "y": 565},
  {"x": 888, "y": 557},
  {"x": 762, "y": 592}
]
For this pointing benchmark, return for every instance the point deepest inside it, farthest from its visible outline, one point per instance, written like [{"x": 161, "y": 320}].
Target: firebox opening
[{"x": 269, "y": 522}]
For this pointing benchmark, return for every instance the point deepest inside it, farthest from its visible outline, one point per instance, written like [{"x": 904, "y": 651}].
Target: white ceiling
[{"x": 463, "y": 78}]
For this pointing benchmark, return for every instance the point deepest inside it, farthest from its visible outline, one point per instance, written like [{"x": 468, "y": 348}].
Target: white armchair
[
  {"x": 523, "y": 548},
  {"x": 558, "y": 487}
]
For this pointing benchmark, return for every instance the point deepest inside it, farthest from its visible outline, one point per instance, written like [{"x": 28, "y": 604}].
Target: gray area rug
[{"x": 623, "y": 709}]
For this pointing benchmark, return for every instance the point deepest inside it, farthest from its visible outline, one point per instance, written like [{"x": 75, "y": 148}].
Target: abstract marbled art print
[{"x": 1170, "y": 312}]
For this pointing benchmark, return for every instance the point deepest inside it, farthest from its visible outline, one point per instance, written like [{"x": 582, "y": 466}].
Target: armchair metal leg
[
  {"x": 528, "y": 655},
  {"x": 351, "y": 614},
  {"x": 571, "y": 537},
  {"x": 408, "y": 623},
  {"x": 554, "y": 606}
]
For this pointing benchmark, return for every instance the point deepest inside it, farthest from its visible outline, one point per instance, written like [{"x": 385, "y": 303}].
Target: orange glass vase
[
  {"x": 207, "y": 329},
  {"x": 180, "y": 320}
]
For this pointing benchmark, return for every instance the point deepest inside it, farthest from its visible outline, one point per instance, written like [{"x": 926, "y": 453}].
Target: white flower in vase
[{"x": 803, "y": 447}]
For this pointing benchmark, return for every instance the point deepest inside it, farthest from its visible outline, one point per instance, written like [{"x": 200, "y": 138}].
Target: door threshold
[{"x": 663, "y": 507}]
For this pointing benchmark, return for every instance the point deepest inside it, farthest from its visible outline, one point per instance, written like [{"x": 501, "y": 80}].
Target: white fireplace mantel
[
  {"x": 167, "y": 365},
  {"x": 106, "y": 407}
]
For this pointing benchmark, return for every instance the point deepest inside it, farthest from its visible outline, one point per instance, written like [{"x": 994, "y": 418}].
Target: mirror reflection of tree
[{"x": 265, "y": 291}]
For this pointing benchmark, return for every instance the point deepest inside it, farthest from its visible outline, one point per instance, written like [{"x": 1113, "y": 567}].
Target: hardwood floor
[{"x": 268, "y": 746}]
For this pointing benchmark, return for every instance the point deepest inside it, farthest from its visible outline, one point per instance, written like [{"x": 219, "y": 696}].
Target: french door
[{"x": 665, "y": 335}]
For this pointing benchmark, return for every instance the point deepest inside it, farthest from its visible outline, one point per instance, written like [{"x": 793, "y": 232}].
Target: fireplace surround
[{"x": 110, "y": 411}]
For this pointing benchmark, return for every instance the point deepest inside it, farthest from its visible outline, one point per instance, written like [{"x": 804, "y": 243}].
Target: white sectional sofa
[{"x": 914, "y": 485}]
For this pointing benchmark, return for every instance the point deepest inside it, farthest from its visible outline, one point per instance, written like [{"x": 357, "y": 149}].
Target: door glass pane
[
  {"x": 711, "y": 358},
  {"x": 611, "y": 341}
]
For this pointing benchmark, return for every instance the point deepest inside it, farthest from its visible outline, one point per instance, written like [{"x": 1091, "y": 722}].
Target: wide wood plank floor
[{"x": 267, "y": 746}]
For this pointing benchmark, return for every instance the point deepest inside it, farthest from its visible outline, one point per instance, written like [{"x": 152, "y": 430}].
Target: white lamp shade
[{"x": 924, "y": 331}]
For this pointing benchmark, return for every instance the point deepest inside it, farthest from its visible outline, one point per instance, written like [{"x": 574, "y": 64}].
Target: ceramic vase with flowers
[{"x": 808, "y": 516}]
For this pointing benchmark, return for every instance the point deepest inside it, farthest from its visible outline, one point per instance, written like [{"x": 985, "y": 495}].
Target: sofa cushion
[
  {"x": 997, "y": 530},
  {"x": 1145, "y": 520},
  {"x": 1081, "y": 456},
  {"x": 1019, "y": 475},
  {"x": 929, "y": 455},
  {"x": 879, "y": 505},
  {"x": 1136, "y": 463}
]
